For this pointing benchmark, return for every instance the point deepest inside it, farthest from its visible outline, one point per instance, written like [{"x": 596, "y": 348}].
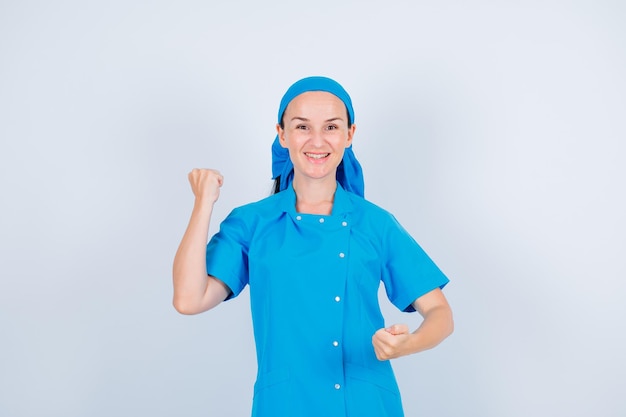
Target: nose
[{"x": 317, "y": 138}]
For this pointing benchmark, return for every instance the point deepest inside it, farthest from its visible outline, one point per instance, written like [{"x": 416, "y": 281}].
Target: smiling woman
[{"x": 314, "y": 255}]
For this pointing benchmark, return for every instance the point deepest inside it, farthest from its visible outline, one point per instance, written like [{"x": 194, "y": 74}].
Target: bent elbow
[
  {"x": 184, "y": 307},
  {"x": 450, "y": 324}
]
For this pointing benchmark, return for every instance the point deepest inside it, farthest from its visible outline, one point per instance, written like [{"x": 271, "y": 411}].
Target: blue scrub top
[{"x": 314, "y": 283}]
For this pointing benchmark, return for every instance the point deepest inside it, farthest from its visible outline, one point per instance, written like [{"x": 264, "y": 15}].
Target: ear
[
  {"x": 281, "y": 135},
  {"x": 350, "y": 135}
]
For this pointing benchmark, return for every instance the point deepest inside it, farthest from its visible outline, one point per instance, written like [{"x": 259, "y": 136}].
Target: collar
[{"x": 342, "y": 202}]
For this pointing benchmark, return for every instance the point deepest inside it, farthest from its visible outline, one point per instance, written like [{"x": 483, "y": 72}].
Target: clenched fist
[
  {"x": 391, "y": 342},
  {"x": 205, "y": 184}
]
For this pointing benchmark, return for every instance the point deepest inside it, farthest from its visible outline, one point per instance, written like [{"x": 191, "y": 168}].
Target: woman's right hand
[{"x": 205, "y": 184}]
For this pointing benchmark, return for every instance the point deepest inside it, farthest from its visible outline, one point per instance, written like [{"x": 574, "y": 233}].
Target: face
[{"x": 315, "y": 133}]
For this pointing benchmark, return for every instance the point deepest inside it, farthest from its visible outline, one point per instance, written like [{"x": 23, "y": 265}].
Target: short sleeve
[
  {"x": 408, "y": 272},
  {"x": 227, "y": 253}
]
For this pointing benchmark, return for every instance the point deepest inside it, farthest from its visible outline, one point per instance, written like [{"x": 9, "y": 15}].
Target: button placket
[{"x": 341, "y": 248}]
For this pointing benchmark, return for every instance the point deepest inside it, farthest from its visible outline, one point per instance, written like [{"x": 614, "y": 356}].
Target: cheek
[
  {"x": 339, "y": 139},
  {"x": 288, "y": 142},
  {"x": 296, "y": 137}
]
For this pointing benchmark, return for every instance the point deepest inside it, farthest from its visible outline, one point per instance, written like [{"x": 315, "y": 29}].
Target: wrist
[
  {"x": 205, "y": 198},
  {"x": 203, "y": 205},
  {"x": 413, "y": 345}
]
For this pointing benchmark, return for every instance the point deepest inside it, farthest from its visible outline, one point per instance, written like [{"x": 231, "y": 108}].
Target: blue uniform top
[{"x": 314, "y": 283}]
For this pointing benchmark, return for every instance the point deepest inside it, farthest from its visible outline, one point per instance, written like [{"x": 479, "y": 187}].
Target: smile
[{"x": 316, "y": 155}]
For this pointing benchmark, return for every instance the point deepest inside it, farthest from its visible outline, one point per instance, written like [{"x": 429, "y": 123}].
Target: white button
[
  {"x": 337, "y": 298},
  {"x": 321, "y": 220},
  {"x": 337, "y": 386},
  {"x": 298, "y": 217},
  {"x": 335, "y": 343},
  {"x": 342, "y": 255},
  {"x": 344, "y": 223}
]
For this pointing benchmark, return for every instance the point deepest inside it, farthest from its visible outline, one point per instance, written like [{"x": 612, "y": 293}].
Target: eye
[
  {"x": 331, "y": 127},
  {"x": 301, "y": 127}
]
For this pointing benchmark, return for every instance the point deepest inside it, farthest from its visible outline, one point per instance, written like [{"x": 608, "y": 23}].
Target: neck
[{"x": 315, "y": 197}]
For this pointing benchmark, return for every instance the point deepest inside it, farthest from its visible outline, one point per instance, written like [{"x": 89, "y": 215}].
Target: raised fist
[{"x": 205, "y": 184}]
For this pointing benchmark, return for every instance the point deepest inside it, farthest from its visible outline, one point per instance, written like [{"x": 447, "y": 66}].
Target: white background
[{"x": 494, "y": 131}]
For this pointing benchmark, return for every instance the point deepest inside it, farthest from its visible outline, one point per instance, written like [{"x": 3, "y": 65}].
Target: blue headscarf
[{"x": 349, "y": 173}]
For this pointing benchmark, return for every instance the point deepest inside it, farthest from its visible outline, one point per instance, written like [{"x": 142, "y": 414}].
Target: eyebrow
[{"x": 304, "y": 119}]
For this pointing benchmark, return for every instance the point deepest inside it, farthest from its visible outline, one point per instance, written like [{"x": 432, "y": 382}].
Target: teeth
[{"x": 317, "y": 155}]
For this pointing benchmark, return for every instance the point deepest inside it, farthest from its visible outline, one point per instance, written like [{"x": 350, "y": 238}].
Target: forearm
[
  {"x": 189, "y": 271},
  {"x": 437, "y": 325}
]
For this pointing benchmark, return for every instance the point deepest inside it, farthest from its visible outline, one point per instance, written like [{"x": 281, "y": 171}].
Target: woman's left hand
[
  {"x": 395, "y": 341},
  {"x": 391, "y": 342}
]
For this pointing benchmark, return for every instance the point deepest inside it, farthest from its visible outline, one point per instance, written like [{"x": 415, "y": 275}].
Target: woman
[{"x": 314, "y": 254}]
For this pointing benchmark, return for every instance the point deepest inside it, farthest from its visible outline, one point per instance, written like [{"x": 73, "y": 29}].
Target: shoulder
[
  {"x": 380, "y": 224},
  {"x": 244, "y": 221},
  {"x": 367, "y": 209},
  {"x": 369, "y": 219}
]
